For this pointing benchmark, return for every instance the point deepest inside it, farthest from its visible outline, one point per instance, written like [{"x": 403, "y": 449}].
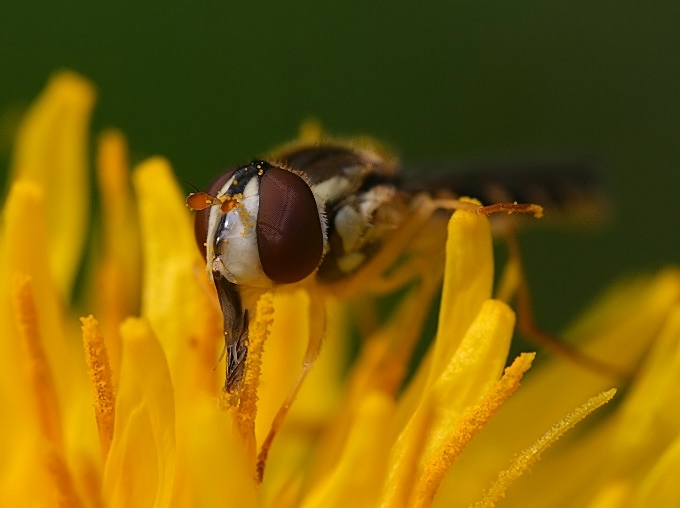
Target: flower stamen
[
  {"x": 99, "y": 370},
  {"x": 244, "y": 403},
  {"x": 468, "y": 426},
  {"x": 532, "y": 454},
  {"x": 58, "y": 471},
  {"x": 38, "y": 368}
]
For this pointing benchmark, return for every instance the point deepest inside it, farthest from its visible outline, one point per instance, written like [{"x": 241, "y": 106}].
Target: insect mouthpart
[{"x": 235, "y": 330}]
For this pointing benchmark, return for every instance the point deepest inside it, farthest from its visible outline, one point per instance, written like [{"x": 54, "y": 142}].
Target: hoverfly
[{"x": 336, "y": 214}]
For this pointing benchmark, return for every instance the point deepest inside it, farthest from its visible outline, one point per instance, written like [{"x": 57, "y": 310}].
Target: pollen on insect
[{"x": 228, "y": 204}]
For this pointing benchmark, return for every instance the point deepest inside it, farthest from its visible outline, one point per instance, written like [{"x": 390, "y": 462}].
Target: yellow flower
[{"x": 126, "y": 411}]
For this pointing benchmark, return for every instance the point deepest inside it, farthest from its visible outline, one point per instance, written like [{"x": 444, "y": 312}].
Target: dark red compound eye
[
  {"x": 202, "y": 217},
  {"x": 289, "y": 236}
]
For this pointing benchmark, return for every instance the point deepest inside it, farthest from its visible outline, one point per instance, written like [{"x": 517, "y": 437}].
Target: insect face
[{"x": 268, "y": 229}]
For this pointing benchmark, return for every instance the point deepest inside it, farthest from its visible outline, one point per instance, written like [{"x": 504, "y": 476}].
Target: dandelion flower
[{"x": 113, "y": 399}]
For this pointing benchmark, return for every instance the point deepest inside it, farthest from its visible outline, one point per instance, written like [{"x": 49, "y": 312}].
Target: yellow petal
[
  {"x": 51, "y": 151},
  {"x": 25, "y": 232},
  {"x": 469, "y": 374},
  {"x": 358, "y": 475},
  {"x": 282, "y": 356},
  {"x": 660, "y": 486},
  {"x": 140, "y": 466},
  {"x": 474, "y": 369},
  {"x": 317, "y": 401},
  {"x": 172, "y": 299},
  {"x": 614, "y": 495},
  {"x": 216, "y": 467},
  {"x": 116, "y": 290},
  {"x": 648, "y": 419},
  {"x": 470, "y": 424},
  {"x": 319, "y": 395},
  {"x": 467, "y": 282},
  {"x": 635, "y": 324}
]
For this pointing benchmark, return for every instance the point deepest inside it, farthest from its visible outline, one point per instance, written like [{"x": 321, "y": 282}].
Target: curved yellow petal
[
  {"x": 25, "y": 231},
  {"x": 468, "y": 281},
  {"x": 648, "y": 420},
  {"x": 469, "y": 425},
  {"x": 172, "y": 299},
  {"x": 216, "y": 465},
  {"x": 614, "y": 495},
  {"x": 359, "y": 473},
  {"x": 51, "y": 151},
  {"x": 476, "y": 366},
  {"x": 469, "y": 374},
  {"x": 282, "y": 355},
  {"x": 468, "y": 278},
  {"x": 140, "y": 466},
  {"x": 659, "y": 487},
  {"x": 116, "y": 290}
]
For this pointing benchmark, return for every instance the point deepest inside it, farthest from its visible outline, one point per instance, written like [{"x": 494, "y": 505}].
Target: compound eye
[
  {"x": 289, "y": 235},
  {"x": 202, "y": 217}
]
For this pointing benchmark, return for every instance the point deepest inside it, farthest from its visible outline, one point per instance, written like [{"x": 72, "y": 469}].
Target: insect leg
[
  {"x": 514, "y": 284},
  {"x": 418, "y": 238},
  {"x": 317, "y": 328},
  {"x": 371, "y": 276}
]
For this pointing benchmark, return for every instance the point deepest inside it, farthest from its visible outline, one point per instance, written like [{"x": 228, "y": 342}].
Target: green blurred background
[{"x": 211, "y": 84}]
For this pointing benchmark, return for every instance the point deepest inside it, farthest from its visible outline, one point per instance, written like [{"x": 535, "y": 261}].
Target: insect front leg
[
  {"x": 413, "y": 257},
  {"x": 317, "y": 328},
  {"x": 383, "y": 272}
]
